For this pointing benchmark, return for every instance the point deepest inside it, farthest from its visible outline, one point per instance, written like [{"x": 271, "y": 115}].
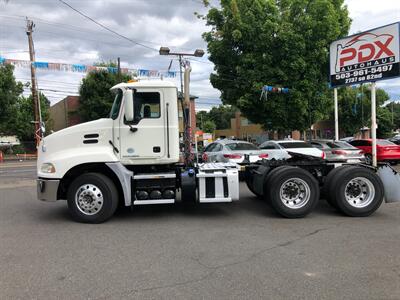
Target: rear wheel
[
  {"x": 249, "y": 182},
  {"x": 293, "y": 192},
  {"x": 92, "y": 198},
  {"x": 329, "y": 185},
  {"x": 358, "y": 192}
]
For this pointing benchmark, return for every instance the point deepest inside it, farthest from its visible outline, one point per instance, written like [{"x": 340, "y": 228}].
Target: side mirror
[{"x": 128, "y": 105}]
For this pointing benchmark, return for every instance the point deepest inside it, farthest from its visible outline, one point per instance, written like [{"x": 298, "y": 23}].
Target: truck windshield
[{"x": 116, "y": 105}]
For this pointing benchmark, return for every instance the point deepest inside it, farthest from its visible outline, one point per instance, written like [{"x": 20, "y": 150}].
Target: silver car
[
  {"x": 235, "y": 151},
  {"x": 339, "y": 151},
  {"x": 295, "y": 146}
]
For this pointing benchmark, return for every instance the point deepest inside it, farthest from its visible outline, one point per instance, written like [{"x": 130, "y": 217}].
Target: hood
[{"x": 81, "y": 135}]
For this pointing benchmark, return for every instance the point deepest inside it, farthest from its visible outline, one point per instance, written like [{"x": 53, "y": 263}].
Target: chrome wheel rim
[
  {"x": 295, "y": 193},
  {"x": 359, "y": 192},
  {"x": 89, "y": 199}
]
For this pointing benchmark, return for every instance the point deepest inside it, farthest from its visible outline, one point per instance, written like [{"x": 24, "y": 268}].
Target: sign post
[
  {"x": 336, "y": 114},
  {"x": 373, "y": 123},
  {"x": 366, "y": 57}
]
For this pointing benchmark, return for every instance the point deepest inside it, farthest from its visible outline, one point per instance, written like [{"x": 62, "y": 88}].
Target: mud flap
[{"x": 391, "y": 183}]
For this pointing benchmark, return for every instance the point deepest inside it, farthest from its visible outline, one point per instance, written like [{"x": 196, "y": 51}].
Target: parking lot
[{"x": 218, "y": 251}]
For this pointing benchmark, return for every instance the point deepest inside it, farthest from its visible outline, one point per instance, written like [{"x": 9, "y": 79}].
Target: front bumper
[{"x": 47, "y": 189}]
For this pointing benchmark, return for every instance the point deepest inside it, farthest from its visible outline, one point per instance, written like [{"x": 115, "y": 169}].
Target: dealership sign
[{"x": 368, "y": 56}]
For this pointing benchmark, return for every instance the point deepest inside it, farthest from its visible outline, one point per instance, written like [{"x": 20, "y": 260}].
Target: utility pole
[
  {"x": 186, "y": 111},
  {"x": 35, "y": 96}
]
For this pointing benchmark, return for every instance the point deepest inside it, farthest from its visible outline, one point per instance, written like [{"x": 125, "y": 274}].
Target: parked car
[
  {"x": 234, "y": 151},
  {"x": 395, "y": 139},
  {"x": 385, "y": 150},
  {"x": 339, "y": 151},
  {"x": 295, "y": 146},
  {"x": 347, "y": 139}
]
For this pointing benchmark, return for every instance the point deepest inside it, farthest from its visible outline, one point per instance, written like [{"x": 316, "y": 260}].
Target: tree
[
  {"x": 384, "y": 120},
  {"x": 279, "y": 43},
  {"x": 209, "y": 126},
  {"x": 10, "y": 91},
  {"x": 355, "y": 110},
  {"x": 395, "y": 107},
  {"x": 95, "y": 96},
  {"x": 220, "y": 115},
  {"x": 22, "y": 125}
]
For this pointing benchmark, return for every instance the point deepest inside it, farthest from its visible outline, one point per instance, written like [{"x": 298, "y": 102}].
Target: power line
[
  {"x": 55, "y": 81},
  {"x": 79, "y": 29},
  {"x": 106, "y": 28}
]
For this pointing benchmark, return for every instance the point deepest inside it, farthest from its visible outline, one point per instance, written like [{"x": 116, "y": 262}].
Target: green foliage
[
  {"x": 280, "y": 43},
  {"x": 209, "y": 126},
  {"x": 111, "y": 63},
  {"x": 22, "y": 124},
  {"x": 10, "y": 90},
  {"x": 221, "y": 117},
  {"x": 384, "y": 120},
  {"x": 355, "y": 110},
  {"x": 16, "y": 111},
  {"x": 395, "y": 107},
  {"x": 95, "y": 96}
]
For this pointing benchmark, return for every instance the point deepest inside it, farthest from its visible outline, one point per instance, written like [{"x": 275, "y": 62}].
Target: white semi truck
[{"x": 132, "y": 158}]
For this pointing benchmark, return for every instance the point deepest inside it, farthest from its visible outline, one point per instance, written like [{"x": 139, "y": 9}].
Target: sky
[{"x": 62, "y": 35}]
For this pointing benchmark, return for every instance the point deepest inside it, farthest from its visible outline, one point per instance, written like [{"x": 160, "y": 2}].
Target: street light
[
  {"x": 164, "y": 51},
  {"x": 167, "y": 51},
  {"x": 186, "y": 106}
]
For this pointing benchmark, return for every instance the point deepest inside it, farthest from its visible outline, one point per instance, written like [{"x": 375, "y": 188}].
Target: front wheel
[
  {"x": 292, "y": 192},
  {"x": 92, "y": 198}
]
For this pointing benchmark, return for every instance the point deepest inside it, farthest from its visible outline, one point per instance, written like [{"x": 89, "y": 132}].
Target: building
[
  {"x": 242, "y": 128},
  {"x": 65, "y": 113},
  {"x": 192, "y": 112}
]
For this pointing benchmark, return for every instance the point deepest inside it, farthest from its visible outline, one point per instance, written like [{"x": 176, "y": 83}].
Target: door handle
[{"x": 133, "y": 129}]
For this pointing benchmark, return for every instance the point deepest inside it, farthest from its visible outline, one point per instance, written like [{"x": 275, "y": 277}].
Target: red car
[{"x": 385, "y": 150}]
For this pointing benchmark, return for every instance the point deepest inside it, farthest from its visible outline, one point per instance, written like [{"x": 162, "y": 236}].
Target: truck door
[{"x": 144, "y": 137}]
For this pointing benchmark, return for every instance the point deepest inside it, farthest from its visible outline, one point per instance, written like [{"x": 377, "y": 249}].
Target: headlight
[{"x": 48, "y": 168}]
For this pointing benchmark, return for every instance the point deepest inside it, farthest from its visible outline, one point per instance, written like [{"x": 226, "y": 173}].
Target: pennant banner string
[{"x": 85, "y": 68}]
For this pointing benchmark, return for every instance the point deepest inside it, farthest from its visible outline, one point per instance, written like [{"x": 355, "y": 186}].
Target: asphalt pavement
[{"x": 240, "y": 250}]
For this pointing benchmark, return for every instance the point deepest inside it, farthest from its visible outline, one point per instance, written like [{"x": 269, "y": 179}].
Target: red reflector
[
  {"x": 323, "y": 155},
  {"x": 339, "y": 152},
  {"x": 264, "y": 155},
  {"x": 204, "y": 157},
  {"x": 233, "y": 156}
]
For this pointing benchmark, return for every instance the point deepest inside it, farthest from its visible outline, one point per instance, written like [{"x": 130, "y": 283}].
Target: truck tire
[
  {"x": 92, "y": 198},
  {"x": 292, "y": 191},
  {"x": 249, "y": 183},
  {"x": 329, "y": 188},
  {"x": 268, "y": 178},
  {"x": 358, "y": 192},
  {"x": 250, "y": 187}
]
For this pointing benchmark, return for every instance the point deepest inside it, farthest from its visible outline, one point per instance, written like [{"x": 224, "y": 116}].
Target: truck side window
[
  {"x": 116, "y": 105},
  {"x": 147, "y": 106}
]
